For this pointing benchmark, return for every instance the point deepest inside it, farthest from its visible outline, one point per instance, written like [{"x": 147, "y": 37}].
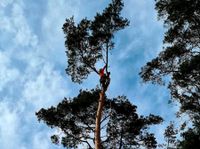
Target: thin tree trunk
[
  {"x": 100, "y": 109},
  {"x": 98, "y": 120},
  {"x": 121, "y": 137},
  {"x": 107, "y": 58},
  {"x": 168, "y": 144}
]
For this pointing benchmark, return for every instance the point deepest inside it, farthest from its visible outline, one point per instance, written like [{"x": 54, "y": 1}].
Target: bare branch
[{"x": 79, "y": 139}]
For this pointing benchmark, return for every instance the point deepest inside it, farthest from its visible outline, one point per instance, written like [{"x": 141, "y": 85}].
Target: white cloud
[
  {"x": 4, "y": 3},
  {"x": 144, "y": 35},
  {"x": 51, "y": 28},
  {"x": 17, "y": 128},
  {"x": 41, "y": 141},
  {"x": 16, "y": 24},
  {"x": 29, "y": 81},
  {"x": 46, "y": 88},
  {"x": 23, "y": 35},
  {"x": 7, "y": 72},
  {"x": 9, "y": 127},
  {"x": 5, "y": 24}
]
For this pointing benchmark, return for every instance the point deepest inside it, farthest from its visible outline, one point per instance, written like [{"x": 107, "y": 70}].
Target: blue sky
[{"x": 33, "y": 62}]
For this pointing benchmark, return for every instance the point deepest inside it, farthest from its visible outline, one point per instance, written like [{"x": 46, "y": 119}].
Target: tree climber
[
  {"x": 104, "y": 78},
  {"x": 107, "y": 81}
]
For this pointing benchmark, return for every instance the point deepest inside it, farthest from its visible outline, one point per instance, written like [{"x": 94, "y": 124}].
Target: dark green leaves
[
  {"x": 170, "y": 135},
  {"x": 121, "y": 125},
  {"x": 180, "y": 57},
  {"x": 86, "y": 41}
]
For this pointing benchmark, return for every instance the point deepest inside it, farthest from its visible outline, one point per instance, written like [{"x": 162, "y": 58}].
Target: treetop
[{"x": 87, "y": 42}]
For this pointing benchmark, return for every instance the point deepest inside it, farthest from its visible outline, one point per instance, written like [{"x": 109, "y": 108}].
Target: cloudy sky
[{"x": 33, "y": 62}]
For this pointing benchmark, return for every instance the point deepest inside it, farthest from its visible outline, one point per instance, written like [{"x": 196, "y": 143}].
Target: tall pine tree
[{"x": 91, "y": 118}]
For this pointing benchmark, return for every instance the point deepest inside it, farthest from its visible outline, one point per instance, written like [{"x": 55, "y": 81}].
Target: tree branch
[
  {"x": 85, "y": 62},
  {"x": 104, "y": 126},
  {"x": 121, "y": 142},
  {"x": 79, "y": 139},
  {"x": 107, "y": 57},
  {"x": 105, "y": 118}
]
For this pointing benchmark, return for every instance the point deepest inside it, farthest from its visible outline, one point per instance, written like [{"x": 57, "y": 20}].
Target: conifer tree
[
  {"x": 91, "y": 118},
  {"x": 179, "y": 60}
]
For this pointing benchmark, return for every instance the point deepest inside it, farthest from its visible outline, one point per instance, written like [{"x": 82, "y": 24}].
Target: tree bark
[
  {"x": 107, "y": 58},
  {"x": 98, "y": 119},
  {"x": 121, "y": 137}
]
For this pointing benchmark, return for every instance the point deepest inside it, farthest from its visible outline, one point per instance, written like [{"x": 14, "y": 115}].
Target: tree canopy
[
  {"x": 122, "y": 126},
  {"x": 180, "y": 60},
  {"x": 91, "y": 118},
  {"x": 87, "y": 41},
  {"x": 170, "y": 135},
  {"x": 180, "y": 57}
]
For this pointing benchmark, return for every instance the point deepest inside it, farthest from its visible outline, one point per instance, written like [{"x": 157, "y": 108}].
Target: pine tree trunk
[{"x": 98, "y": 120}]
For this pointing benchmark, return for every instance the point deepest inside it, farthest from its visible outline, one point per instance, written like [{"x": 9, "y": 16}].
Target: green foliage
[
  {"x": 191, "y": 140},
  {"x": 86, "y": 41},
  {"x": 122, "y": 126},
  {"x": 170, "y": 135},
  {"x": 180, "y": 59}
]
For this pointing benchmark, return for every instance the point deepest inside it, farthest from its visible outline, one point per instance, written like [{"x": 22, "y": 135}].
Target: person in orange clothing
[
  {"x": 104, "y": 78},
  {"x": 101, "y": 71},
  {"x": 107, "y": 81}
]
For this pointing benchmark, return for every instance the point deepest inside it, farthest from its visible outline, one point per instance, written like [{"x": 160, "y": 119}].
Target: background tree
[
  {"x": 122, "y": 127},
  {"x": 180, "y": 58},
  {"x": 190, "y": 139},
  {"x": 170, "y": 135}
]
